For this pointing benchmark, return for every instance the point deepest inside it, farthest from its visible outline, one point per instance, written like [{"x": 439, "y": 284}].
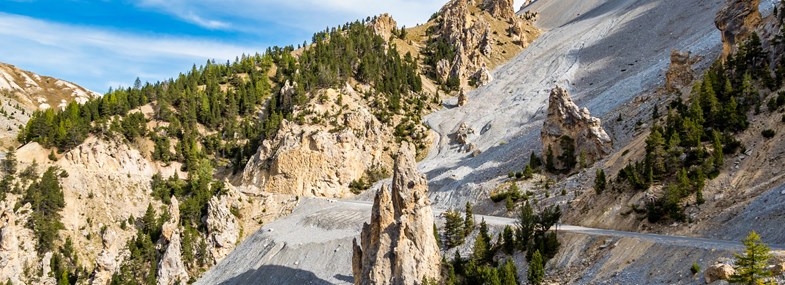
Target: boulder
[
  {"x": 398, "y": 246},
  {"x": 719, "y": 271},
  {"x": 462, "y": 134}
]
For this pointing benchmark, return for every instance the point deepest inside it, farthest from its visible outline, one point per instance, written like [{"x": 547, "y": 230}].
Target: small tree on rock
[{"x": 751, "y": 265}]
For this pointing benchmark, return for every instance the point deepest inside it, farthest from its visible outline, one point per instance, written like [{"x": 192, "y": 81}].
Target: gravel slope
[{"x": 604, "y": 52}]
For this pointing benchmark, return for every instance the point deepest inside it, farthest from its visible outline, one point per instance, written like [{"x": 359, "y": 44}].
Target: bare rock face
[
  {"x": 106, "y": 263},
  {"x": 171, "y": 269},
  {"x": 473, "y": 37},
  {"x": 719, "y": 271},
  {"x": 398, "y": 246},
  {"x": 500, "y": 8},
  {"x": 737, "y": 20},
  {"x": 679, "y": 73},
  {"x": 322, "y": 159},
  {"x": 566, "y": 119},
  {"x": 16, "y": 252},
  {"x": 383, "y": 25},
  {"x": 223, "y": 229}
]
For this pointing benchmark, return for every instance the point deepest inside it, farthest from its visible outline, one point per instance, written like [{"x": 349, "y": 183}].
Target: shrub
[
  {"x": 695, "y": 268},
  {"x": 768, "y": 133}
]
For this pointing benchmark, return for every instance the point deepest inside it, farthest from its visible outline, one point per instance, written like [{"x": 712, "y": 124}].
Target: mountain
[
  {"x": 645, "y": 133},
  {"x": 24, "y": 92},
  {"x": 161, "y": 180},
  {"x": 621, "y": 60}
]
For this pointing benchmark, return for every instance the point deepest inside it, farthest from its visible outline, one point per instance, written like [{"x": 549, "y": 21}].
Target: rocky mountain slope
[
  {"x": 618, "y": 59},
  {"x": 22, "y": 92},
  {"x": 162, "y": 180}
]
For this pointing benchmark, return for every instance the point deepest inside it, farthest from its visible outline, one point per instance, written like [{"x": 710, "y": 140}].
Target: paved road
[{"x": 694, "y": 242}]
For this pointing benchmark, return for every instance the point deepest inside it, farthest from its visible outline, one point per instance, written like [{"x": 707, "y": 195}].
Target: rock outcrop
[
  {"x": 680, "y": 73},
  {"x": 383, "y": 25},
  {"x": 106, "y": 263},
  {"x": 223, "y": 229},
  {"x": 737, "y": 20},
  {"x": 566, "y": 119},
  {"x": 323, "y": 159},
  {"x": 478, "y": 38},
  {"x": 398, "y": 246},
  {"x": 462, "y": 134},
  {"x": 462, "y": 99},
  {"x": 15, "y": 256},
  {"x": 171, "y": 269},
  {"x": 502, "y": 9},
  {"x": 719, "y": 271}
]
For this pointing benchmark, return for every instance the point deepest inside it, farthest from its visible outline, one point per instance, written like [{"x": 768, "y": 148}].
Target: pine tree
[
  {"x": 751, "y": 265},
  {"x": 508, "y": 240},
  {"x": 9, "y": 163},
  {"x": 509, "y": 274},
  {"x": 468, "y": 220},
  {"x": 599, "y": 181},
  {"x": 719, "y": 160},
  {"x": 536, "y": 272},
  {"x": 454, "y": 232}
]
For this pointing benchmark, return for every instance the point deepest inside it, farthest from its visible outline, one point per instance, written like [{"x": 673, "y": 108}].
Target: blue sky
[{"x": 103, "y": 43}]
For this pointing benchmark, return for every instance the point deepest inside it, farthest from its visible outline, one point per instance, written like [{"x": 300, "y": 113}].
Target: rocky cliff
[
  {"x": 736, "y": 21},
  {"x": 343, "y": 141},
  {"x": 398, "y": 246},
  {"x": 566, "y": 120}
]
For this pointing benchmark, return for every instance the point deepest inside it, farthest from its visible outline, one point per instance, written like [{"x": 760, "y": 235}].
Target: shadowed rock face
[
  {"x": 398, "y": 246},
  {"x": 566, "y": 119},
  {"x": 736, "y": 21}
]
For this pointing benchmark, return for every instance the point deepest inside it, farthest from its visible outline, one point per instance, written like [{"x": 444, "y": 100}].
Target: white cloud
[
  {"x": 308, "y": 15},
  {"x": 84, "y": 54}
]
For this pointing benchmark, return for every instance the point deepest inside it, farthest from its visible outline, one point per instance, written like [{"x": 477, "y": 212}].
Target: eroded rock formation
[
  {"x": 502, "y": 9},
  {"x": 223, "y": 229},
  {"x": 383, "y": 25},
  {"x": 679, "y": 73},
  {"x": 322, "y": 159},
  {"x": 737, "y": 20},
  {"x": 398, "y": 246},
  {"x": 171, "y": 269},
  {"x": 475, "y": 37},
  {"x": 566, "y": 119}
]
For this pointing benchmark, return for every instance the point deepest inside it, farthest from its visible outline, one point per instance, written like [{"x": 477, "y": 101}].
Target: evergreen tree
[
  {"x": 454, "y": 232},
  {"x": 9, "y": 162},
  {"x": 509, "y": 274},
  {"x": 751, "y": 265},
  {"x": 508, "y": 240},
  {"x": 536, "y": 272},
  {"x": 468, "y": 220},
  {"x": 599, "y": 181}
]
